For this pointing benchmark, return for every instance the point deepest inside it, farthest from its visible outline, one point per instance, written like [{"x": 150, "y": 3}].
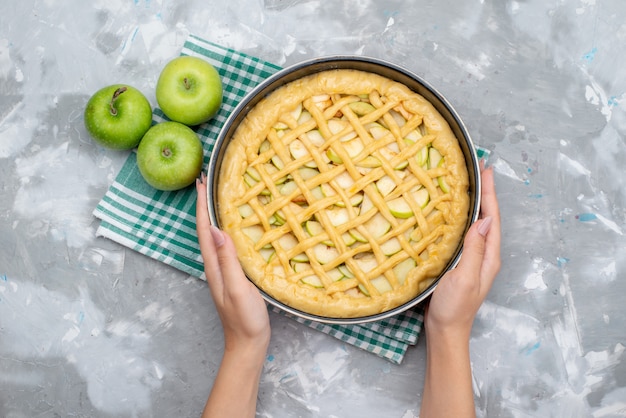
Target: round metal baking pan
[{"x": 371, "y": 65}]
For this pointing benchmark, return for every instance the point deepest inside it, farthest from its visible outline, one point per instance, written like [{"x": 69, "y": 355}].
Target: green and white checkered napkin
[{"x": 162, "y": 225}]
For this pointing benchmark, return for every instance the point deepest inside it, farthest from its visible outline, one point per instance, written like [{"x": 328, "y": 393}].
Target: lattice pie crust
[{"x": 345, "y": 192}]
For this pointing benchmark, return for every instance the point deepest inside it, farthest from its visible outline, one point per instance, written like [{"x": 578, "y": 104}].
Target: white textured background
[{"x": 89, "y": 328}]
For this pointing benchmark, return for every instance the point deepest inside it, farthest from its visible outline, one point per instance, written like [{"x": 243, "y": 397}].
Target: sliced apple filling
[
  {"x": 349, "y": 194},
  {"x": 352, "y": 195}
]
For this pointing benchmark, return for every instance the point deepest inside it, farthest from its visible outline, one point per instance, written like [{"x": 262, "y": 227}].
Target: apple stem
[
  {"x": 116, "y": 94},
  {"x": 186, "y": 83},
  {"x": 166, "y": 152}
]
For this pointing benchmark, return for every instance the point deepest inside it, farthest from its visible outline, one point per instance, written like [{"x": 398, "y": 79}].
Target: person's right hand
[
  {"x": 451, "y": 312},
  {"x": 461, "y": 291}
]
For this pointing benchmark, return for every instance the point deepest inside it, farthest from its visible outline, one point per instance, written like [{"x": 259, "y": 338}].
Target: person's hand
[
  {"x": 244, "y": 318},
  {"x": 240, "y": 306},
  {"x": 451, "y": 311},
  {"x": 459, "y": 294}
]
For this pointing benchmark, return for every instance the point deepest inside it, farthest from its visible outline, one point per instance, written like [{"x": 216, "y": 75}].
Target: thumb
[{"x": 474, "y": 246}]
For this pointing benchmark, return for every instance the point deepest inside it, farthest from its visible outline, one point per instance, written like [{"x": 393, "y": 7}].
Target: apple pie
[{"x": 345, "y": 192}]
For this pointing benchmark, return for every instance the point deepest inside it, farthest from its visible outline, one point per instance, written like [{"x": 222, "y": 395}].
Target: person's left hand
[{"x": 240, "y": 306}]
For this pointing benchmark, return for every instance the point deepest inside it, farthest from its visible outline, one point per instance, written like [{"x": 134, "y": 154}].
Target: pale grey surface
[{"x": 89, "y": 328}]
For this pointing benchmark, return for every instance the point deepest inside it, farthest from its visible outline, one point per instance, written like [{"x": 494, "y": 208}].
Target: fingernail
[
  {"x": 485, "y": 226},
  {"x": 218, "y": 237}
]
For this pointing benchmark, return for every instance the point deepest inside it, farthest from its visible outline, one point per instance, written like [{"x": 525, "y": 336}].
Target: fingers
[
  {"x": 474, "y": 248},
  {"x": 203, "y": 222},
  {"x": 481, "y": 248},
  {"x": 221, "y": 264},
  {"x": 474, "y": 243},
  {"x": 207, "y": 241},
  {"x": 229, "y": 263},
  {"x": 489, "y": 201},
  {"x": 490, "y": 209}
]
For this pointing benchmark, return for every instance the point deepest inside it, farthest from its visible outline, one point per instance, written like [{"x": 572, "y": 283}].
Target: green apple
[
  {"x": 246, "y": 210},
  {"x": 300, "y": 258},
  {"x": 338, "y": 216},
  {"x": 313, "y": 228},
  {"x": 170, "y": 156},
  {"x": 288, "y": 188},
  {"x": 313, "y": 281},
  {"x": 377, "y": 226},
  {"x": 300, "y": 267},
  {"x": 361, "y": 108},
  {"x": 267, "y": 253},
  {"x": 403, "y": 268},
  {"x": 434, "y": 157},
  {"x": 398, "y": 118},
  {"x": 298, "y": 150},
  {"x": 357, "y": 236},
  {"x": 400, "y": 208},
  {"x": 385, "y": 185},
  {"x": 421, "y": 196},
  {"x": 287, "y": 242},
  {"x": 333, "y": 156},
  {"x": 379, "y": 132},
  {"x": 363, "y": 289},
  {"x": 422, "y": 156},
  {"x": 345, "y": 271},
  {"x": 369, "y": 162},
  {"x": 189, "y": 90},
  {"x": 255, "y": 233},
  {"x": 315, "y": 137},
  {"x": 381, "y": 284},
  {"x": 391, "y": 247},
  {"x": 335, "y": 275},
  {"x": 353, "y": 147},
  {"x": 308, "y": 173},
  {"x": 325, "y": 254},
  {"x": 118, "y": 116},
  {"x": 413, "y": 136}
]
